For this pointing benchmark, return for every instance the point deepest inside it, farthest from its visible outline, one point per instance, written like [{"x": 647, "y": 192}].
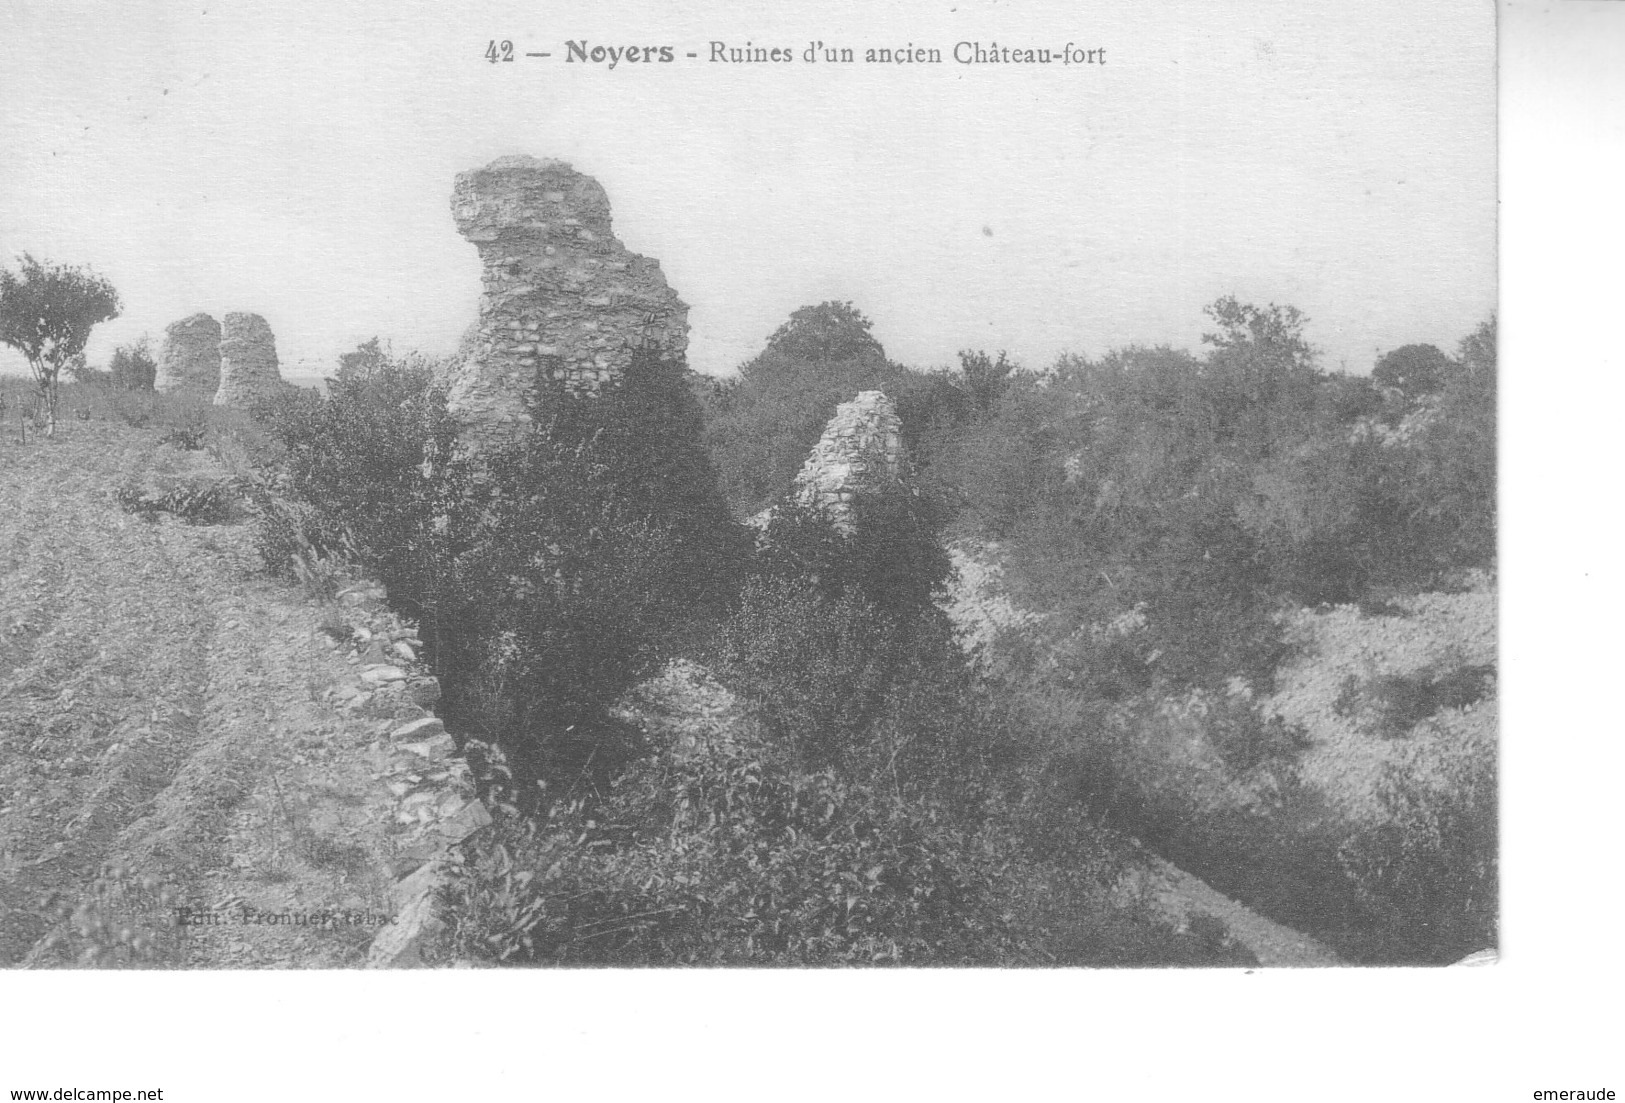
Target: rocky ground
[
  {"x": 979, "y": 605},
  {"x": 170, "y": 736}
]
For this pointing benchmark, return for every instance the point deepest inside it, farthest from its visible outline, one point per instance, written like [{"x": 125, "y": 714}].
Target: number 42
[{"x": 499, "y": 51}]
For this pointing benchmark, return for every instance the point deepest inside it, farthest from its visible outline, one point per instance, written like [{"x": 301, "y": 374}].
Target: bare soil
[{"x": 164, "y": 739}]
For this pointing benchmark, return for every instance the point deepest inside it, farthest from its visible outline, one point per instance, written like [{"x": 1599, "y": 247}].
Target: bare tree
[{"x": 47, "y": 313}]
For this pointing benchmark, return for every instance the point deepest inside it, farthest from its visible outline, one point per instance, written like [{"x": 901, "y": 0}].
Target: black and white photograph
[{"x": 736, "y": 489}]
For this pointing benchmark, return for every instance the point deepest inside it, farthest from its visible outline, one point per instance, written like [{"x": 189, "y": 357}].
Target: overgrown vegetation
[
  {"x": 132, "y": 367},
  {"x": 547, "y": 576},
  {"x": 885, "y": 803},
  {"x": 1165, "y": 509}
]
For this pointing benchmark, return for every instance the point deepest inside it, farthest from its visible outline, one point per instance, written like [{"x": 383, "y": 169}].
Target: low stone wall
[{"x": 433, "y": 808}]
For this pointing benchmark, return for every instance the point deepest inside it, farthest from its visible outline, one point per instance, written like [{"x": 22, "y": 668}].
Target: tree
[
  {"x": 1414, "y": 370},
  {"x": 984, "y": 378},
  {"x": 1261, "y": 373},
  {"x": 829, "y": 331},
  {"x": 47, "y": 313},
  {"x": 133, "y": 368},
  {"x": 1276, "y": 328},
  {"x": 1476, "y": 352},
  {"x": 368, "y": 360}
]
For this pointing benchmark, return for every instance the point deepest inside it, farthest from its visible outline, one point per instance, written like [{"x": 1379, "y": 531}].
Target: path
[{"x": 160, "y": 712}]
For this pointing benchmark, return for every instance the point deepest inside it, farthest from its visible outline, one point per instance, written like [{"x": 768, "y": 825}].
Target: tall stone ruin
[
  {"x": 189, "y": 358},
  {"x": 248, "y": 364},
  {"x": 561, "y": 294},
  {"x": 860, "y": 452}
]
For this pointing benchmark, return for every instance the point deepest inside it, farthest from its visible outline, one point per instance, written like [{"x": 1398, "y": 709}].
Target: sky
[{"x": 297, "y": 161}]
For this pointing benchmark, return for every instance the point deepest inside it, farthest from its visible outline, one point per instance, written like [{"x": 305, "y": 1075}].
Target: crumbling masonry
[
  {"x": 189, "y": 358},
  {"x": 248, "y": 364},
  {"x": 561, "y": 294},
  {"x": 860, "y": 452}
]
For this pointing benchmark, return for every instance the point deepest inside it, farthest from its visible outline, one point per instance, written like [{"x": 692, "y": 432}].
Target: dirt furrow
[{"x": 95, "y": 714}]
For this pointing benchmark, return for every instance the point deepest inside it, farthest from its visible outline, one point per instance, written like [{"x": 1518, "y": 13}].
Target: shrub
[
  {"x": 891, "y": 554},
  {"x": 728, "y": 848},
  {"x": 83, "y": 373},
  {"x": 727, "y": 853},
  {"x": 1427, "y": 869},
  {"x": 984, "y": 378},
  {"x": 363, "y": 459},
  {"x": 188, "y": 436},
  {"x": 546, "y": 576},
  {"x": 197, "y": 502},
  {"x": 1391, "y": 705},
  {"x": 137, "y": 409},
  {"x": 1245, "y": 739},
  {"x": 1414, "y": 370},
  {"x": 816, "y": 667},
  {"x": 133, "y": 368},
  {"x": 833, "y": 612},
  {"x": 647, "y": 433},
  {"x": 557, "y": 600}
]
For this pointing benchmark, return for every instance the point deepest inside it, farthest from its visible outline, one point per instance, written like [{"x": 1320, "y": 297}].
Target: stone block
[
  {"x": 544, "y": 236},
  {"x": 248, "y": 363},
  {"x": 189, "y": 358}
]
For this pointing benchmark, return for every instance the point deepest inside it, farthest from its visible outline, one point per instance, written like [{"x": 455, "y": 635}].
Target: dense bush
[
  {"x": 546, "y": 576},
  {"x": 1209, "y": 493},
  {"x": 817, "y": 667},
  {"x": 646, "y": 434},
  {"x": 559, "y": 595},
  {"x": 372, "y": 460},
  {"x": 133, "y": 368},
  {"x": 1427, "y": 869},
  {"x": 891, "y": 556},
  {"x": 1414, "y": 370},
  {"x": 726, "y": 853},
  {"x": 729, "y": 850}
]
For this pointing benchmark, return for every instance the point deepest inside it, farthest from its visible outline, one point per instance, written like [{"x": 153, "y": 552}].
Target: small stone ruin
[
  {"x": 861, "y": 451},
  {"x": 562, "y": 296},
  {"x": 189, "y": 358},
  {"x": 248, "y": 364}
]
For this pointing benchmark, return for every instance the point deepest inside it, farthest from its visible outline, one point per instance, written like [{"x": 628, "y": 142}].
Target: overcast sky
[{"x": 298, "y": 163}]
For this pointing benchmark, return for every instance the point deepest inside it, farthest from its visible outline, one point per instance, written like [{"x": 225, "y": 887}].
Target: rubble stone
[
  {"x": 189, "y": 358},
  {"x": 248, "y": 364},
  {"x": 563, "y": 298},
  {"x": 861, "y": 451}
]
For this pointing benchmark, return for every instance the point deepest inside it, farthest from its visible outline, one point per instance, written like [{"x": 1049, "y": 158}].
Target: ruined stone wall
[
  {"x": 248, "y": 364},
  {"x": 189, "y": 358},
  {"x": 861, "y": 450},
  {"x": 561, "y": 293}
]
